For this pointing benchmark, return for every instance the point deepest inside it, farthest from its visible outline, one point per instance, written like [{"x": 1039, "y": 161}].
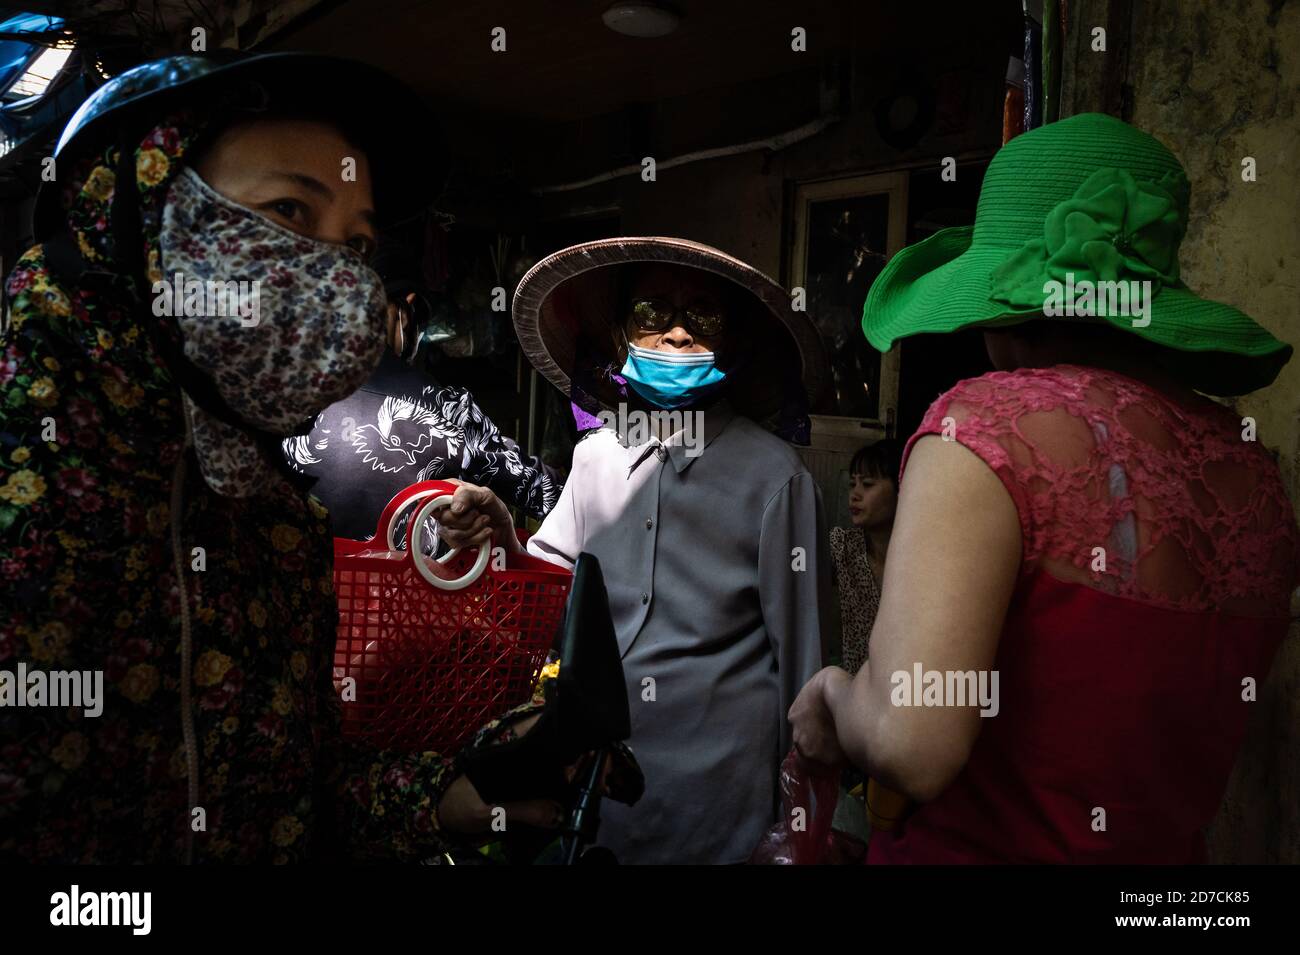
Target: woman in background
[{"x": 858, "y": 552}]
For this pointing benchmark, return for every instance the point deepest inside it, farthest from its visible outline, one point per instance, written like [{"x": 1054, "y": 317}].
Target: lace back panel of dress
[{"x": 1186, "y": 514}]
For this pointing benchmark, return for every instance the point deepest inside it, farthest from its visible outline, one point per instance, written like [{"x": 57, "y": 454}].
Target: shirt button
[
  {"x": 645, "y": 597},
  {"x": 649, "y": 523}
]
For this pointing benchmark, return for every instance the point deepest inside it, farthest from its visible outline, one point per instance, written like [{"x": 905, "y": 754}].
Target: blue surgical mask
[{"x": 669, "y": 380}]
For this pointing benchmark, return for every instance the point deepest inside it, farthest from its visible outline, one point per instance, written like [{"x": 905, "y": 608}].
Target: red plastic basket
[{"x": 434, "y": 649}]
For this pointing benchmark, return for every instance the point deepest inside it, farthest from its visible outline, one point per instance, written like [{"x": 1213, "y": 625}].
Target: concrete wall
[{"x": 1218, "y": 82}]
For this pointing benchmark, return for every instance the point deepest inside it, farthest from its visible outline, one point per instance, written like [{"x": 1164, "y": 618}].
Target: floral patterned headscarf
[
  {"x": 111, "y": 548},
  {"x": 95, "y": 325}
]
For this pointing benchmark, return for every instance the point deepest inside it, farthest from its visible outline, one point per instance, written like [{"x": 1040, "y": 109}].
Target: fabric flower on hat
[{"x": 1114, "y": 228}]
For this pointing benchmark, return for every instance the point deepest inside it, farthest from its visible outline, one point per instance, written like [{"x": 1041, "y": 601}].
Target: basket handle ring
[
  {"x": 397, "y": 506},
  {"x": 415, "y": 530}
]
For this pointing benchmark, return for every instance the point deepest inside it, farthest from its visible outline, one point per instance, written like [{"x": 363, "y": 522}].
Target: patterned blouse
[
  {"x": 859, "y": 595},
  {"x": 402, "y": 427}
]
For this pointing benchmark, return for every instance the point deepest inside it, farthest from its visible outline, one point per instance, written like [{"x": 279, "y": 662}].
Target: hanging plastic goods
[
  {"x": 441, "y": 325},
  {"x": 1013, "y": 109},
  {"x": 1033, "y": 60},
  {"x": 477, "y": 334},
  {"x": 428, "y": 651}
]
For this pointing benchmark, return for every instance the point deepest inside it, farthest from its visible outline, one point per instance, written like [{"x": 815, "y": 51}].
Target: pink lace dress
[{"x": 1159, "y": 551}]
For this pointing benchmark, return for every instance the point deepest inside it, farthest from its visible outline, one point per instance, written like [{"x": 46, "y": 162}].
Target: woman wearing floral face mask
[{"x": 148, "y": 527}]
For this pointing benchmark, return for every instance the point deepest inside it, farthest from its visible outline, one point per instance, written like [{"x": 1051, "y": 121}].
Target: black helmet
[{"x": 368, "y": 101}]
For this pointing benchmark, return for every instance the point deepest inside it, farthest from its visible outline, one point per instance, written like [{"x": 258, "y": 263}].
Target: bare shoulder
[{"x": 949, "y": 486}]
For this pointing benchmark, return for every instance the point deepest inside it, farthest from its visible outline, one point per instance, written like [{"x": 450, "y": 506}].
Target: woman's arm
[{"x": 953, "y": 562}]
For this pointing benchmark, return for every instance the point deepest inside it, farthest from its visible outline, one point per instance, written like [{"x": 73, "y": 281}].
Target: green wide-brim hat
[{"x": 1087, "y": 199}]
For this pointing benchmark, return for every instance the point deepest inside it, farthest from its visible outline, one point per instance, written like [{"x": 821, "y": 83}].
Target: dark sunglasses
[{"x": 658, "y": 315}]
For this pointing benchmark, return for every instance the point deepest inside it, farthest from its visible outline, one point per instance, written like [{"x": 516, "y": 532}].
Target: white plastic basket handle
[
  {"x": 391, "y": 531},
  {"x": 415, "y": 530}
]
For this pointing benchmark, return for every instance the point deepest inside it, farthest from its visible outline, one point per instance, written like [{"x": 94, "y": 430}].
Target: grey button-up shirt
[{"x": 716, "y": 569}]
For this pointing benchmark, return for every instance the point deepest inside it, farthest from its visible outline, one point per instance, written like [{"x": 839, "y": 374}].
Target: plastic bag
[{"x": 808, "y": 799}]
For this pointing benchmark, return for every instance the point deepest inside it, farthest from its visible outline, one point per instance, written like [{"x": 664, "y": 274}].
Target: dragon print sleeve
[
  {"x": 495, "y": 461},
  {"x": 402, "y": 427}
]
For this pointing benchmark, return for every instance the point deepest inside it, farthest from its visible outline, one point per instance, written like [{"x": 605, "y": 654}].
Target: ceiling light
[{"x": 641, "y": 19}]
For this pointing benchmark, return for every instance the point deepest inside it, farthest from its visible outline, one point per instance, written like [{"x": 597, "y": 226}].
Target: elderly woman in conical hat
[
  {"x": 1090, "y": 559},
  {"x": 707, "y": 525}
]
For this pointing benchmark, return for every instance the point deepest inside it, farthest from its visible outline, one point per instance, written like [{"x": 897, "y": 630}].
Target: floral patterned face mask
[{"x": 283, "y": 325}]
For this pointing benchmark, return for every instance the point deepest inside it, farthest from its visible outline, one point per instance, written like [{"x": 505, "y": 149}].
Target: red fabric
[{"x": 1120, "y": 689}]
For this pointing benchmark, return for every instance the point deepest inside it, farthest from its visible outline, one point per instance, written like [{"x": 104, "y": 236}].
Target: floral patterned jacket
[{"x": 92, "y": 456}]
